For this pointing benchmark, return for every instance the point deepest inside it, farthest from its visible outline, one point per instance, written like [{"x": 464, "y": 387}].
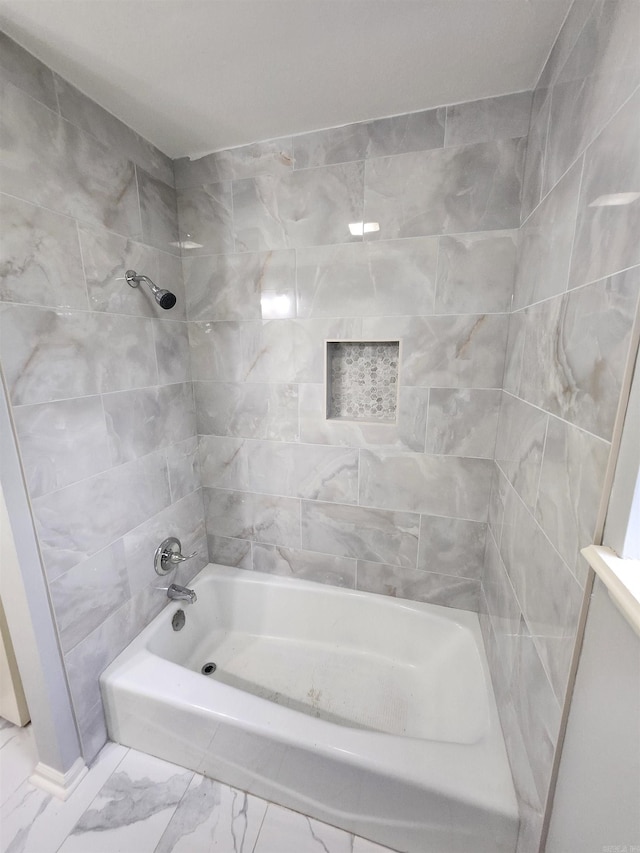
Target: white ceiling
[{"x": 194, "y": 76}]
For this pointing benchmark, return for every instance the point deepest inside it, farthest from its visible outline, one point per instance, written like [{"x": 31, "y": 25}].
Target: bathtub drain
[{"x": 208, "y": 668}]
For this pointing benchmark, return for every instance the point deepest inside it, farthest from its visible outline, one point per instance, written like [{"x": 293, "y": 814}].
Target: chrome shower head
[{"x": 164, "y": 298}]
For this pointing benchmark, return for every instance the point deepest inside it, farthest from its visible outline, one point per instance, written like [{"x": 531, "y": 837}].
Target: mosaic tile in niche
[{"x": 362, "y": 380}]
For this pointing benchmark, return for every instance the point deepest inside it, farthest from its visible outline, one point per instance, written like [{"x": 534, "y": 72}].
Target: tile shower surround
[{"x": 98, "y": 375}]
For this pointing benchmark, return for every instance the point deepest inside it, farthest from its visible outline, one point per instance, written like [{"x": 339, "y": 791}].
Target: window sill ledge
[{"x": 622, "y": 579}]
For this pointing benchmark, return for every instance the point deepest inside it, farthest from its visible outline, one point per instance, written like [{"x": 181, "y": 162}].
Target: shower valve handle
[{"x": 168, "y": 555}]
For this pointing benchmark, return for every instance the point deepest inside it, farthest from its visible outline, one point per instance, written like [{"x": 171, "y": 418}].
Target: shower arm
[
  {"x": 134, "y": 280},
  {"x": 164, "y": 298}
]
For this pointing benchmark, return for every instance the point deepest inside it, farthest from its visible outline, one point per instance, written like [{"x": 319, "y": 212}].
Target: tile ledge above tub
[{"x": 621, "y": 577}]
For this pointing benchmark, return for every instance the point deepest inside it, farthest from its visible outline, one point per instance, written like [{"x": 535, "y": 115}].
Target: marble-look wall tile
[
  {"x": 606, "y": 236},
  {"x": 183, "y": 467},
  {"x": 463, "y": 351},
  {"x": 141, "y": 421},
  {"x": 50, "y": 162},
  {"x": 476, "y": 273},
  {"x": 205, "y": 218},
  {"x": 367, "y": 279},
  {"x": 158, "y": 212},
  {"x": 87, "y": 594},
  {"x": 378, "y": 138},
  {"x": 41, "y": 260},
  {"x": 260, "y": 518},
  {"x": 303, "y": 470},
  {"x": 271, "y": 157},
  {"x": 306, "y": 565},
  {"x": 468, "y": 188},
  {"x": 170, "y": 278},
  {"x": 514, "y": 352},
  {"x": 499, "y": 489},
  {"x": 230, "y": 552},
  {"x": 407, "y": 433},
  {"x": 571, "y": 483},
  {"x": 21, "y": 68},
  {"x": 217, "y": 350},
  {"x": 171, "y": 338},
  {"x": 451, "y": 546},
  {"x": 292, "y": 350},
  {"x": 576, "y": 349},
  {"x": 247, "y": 410},
  {"x": 49, "y": 355},
  {"x": 534, "y": 161},
  {"x": 504, "y": 117},
  {"x": 62, "y": 442},
  {"x": 364, "y": 533},
  {"x": 437, "y": 485},
  {"x": 463, "y": 422},
  {"x": 119, "y": 499},
  {"x": 183, "y": 519},
  {"x": 223, "y": 462},
  {"x": 92, "y": 118},
  {"x": 546, "y": 239},
  {"x": 503, "y": 607},
  {"x": 306, "y": 208},
  {"x": 418, "y": 586},
  {"x": 519, "y": 445},
  {"x": 576, "y": 18},
  {"x": 248, "y": 286}
]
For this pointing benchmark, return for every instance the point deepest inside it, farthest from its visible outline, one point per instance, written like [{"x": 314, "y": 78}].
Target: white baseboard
[{"x": 61, "y": 785}]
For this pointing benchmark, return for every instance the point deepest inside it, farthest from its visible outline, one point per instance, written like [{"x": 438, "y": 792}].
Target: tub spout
[{"x": 180, "y": 593}]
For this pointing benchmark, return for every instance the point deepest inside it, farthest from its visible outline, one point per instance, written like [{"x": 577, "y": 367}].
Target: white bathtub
[{"x": 372, "y": 714}]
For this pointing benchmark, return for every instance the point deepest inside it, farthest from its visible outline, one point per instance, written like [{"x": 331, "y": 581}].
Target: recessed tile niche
[{"x": 362, "y": 380}]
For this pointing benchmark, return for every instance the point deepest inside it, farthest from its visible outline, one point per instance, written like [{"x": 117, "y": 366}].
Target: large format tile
[
  {"x": 171, "y": 338},
  {"x": 21, "y": 68},
  {"x": 132, "y": 809},
  {"x": 216, "y": 350},
  {"x": 519, "y": 445},
  {"x": 361, "y": 532},
  {"x": 505, "y": 117},
  {"x": 183, "y": 467},
  {"x": 205, "y": 218},
  {"x": 450, "y": 486},
  {"x": 284, "y": 831},
  {"x": 247, "y": 409},
  {"x": 306, "y": 208},
  {"x": 307, "y": 565},
  {"x": 62, "y": 442},
  {"x": 158, "y": 212},
  {"x": 394, "y": 277},
  {"x": 476, "y": 273},
  {"x": 273, "y": 156},
  {"x": 259, "y": 518},
  {"x": 378, "y": 138},
  {"x": 247, "y": 286},
  {"x": 41, "y": 261},
  {"x": 48, "y": 161},
  {"x": 467, "y": 188},
  {"x": 463, "y": 422},
  {"x": 418, "y": 585},
  {"x": 451, "y": 546},
  {"x": 536, "y": 143}
]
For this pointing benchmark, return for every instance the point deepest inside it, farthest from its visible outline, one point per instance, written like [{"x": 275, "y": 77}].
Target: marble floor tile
[
  {"x": 18, "y": 759},
  {"x": 284, "y": 831},
  {"x": 7, "y": 731},
  {"x": 133, "y": 808}
]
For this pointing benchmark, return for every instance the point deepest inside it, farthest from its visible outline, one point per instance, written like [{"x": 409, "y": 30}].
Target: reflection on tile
[
  {"x": 247, "y": 410},
  {"x": 408, "y": 433},
  {"x": 606, "y": 236},
  {"x": 48, "y": 161},
  {"x": 468, "y": 188},
  {"x": 519, "y": 446},
  {"x": 183, "y": 467},
  {"x": 147, "y": 419},
  {"x": 476, "y": 273},
  {"x": 248, "y": 286},
  {"x": 260, "y": 518},
  {"x": 571, "y": 482},
  {"x": 62, "y": 442},
  {"x": 505, "y": 117},
  {"x": 41, "y": 260},
  {"x": 213, "y": 818},
  {"x": 451, "y": 546},
  {"x": 120, "y": 499},
  {"x": 361, "y": 532},
  {"x": 158, "y": 211},
  {"x": 204, "y": 217},
  {"x": 303, "y": 470},
  {"x": 229, "y": 552},
  {"x": 306, "y": 208},
  {"x": 260, "y": 158},
  {"x": 438, "y": 485},
  {"x": 84, "y": 596},
  {"x": 284, "y": 831},
  {"x": 216, "y": 350},
  {"x": 395, "y": 277},
  {"x": 464, "y": 351},
  {"x": 463, "y": 422},
  {"x": 418, "y": 585},
  {"x": 26, "y": 72},
  {"x": 544, "y": 249},
  {"x": 306, "y": 565},
  {"x": 132, "y": 809},
  {"x": 378, "y": 138}
]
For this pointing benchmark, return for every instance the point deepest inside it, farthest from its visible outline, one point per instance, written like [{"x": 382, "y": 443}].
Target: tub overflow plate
[{"x": 178, "y": 620}]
